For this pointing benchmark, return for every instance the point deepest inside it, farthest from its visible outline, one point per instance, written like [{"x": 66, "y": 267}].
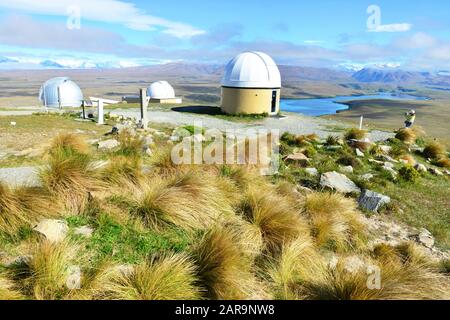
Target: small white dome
[
  {"x": 252, "y": 70},
  {"x": 160, "y": 90},
  {"x": 60, "y": 91}
]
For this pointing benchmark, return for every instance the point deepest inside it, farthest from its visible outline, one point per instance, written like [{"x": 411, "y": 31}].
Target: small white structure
[
  {"x": 100, "y": 102},
  {"x": 162, "y": 92},
  {"x": 60, "y": 92}
]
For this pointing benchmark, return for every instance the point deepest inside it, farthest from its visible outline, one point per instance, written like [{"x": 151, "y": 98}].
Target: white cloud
[
  {"x": 313, "y": 42},
  {"x": 398, "y": 27},
  {"x": 109, "y": 11}
]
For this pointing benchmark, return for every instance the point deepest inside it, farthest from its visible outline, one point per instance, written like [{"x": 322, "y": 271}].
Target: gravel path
[
  {"x": 294, "y": 123},
  {"x": 20, "y": 176}
]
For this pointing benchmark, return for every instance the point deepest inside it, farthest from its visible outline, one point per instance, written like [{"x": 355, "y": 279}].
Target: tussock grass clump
[
  {"x": 122, "y": 169},
  {"x": 298, "y": 263},
  {"x": 335, "y": 222},
  {"x": 434, "y": 150},
  {"x": 406, "y": 135},
  {"x": 69, "y": 143},
  {"x": 348, "y": 159},
  {"x": 355, "y": 134},
  {"x": 70, "y": 177},
  {"x": 223, "y": 269},
  {"x": 44, "y": 276},
  {"x": 130, "y": 145},
  {"x": 22, "y": 207},
  {"x": 443, "y": 162},
  {"x": 189, "y": 200},
  {"x": 8, "y": 290},
  {"x": 409, "y": 159},
  {"x": 275, "y": 215},
  {"x": 332, "y": 140},
  {"x": 171, "y": 277}
]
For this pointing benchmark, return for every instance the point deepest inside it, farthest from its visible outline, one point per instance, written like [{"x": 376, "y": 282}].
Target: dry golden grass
[
  {"x": 8, "y": 290},
  {"x": 188, "y": 199},
  {"x": 223, "y": 269},
  {"x": 172, "y": 277},
  {"x": 434, "y": 150},
  {"x": 22, "y": 207},
  {"x": 69, "y": 143},
  {"x": 409, "y": 159},
  {"x": 130, "y": 145},
  {"x": 275, "y": 215},
  {"x": 355, "y": 134},
  {"x": 45, "y": 275},
  {"x": 443, "y": 162},
  {"x": 407, "y": 135},
  {"x": 334, "y": 220},
  {"x": 123, "y": 170}
]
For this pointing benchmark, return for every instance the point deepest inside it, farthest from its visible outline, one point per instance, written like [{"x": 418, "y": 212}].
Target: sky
[{"x": 321, "y": 33}]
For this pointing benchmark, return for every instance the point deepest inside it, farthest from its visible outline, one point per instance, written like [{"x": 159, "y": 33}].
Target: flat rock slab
[
  {"x": 338, "y": 182},
  {"x": 372, "y": 201},
  {"x": 53, "y": 230},
  {"x": 20, "y": 176}
]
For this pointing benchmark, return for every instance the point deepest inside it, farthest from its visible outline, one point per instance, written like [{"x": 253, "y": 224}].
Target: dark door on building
[{"x": 274, "y": 101}]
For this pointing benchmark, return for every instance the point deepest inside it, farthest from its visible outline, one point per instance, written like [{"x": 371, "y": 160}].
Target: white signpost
[
  {"x": 144, "y": 107},
  {"x": 100, "y": 104}
]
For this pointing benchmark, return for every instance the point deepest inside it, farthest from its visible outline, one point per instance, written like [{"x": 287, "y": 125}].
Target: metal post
[
  {"x": 59, "y": 98},
  {"x": 361, "y": 122},
  {"x": 144, "y": 106},
  {"x": 84, "y": 111},
  {"x": 100, "y": 112}
]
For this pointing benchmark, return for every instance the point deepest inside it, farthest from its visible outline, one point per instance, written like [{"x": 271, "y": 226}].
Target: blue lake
[{"x": 318, "y": 107}]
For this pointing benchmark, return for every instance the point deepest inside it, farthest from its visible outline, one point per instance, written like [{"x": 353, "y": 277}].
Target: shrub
[
  {"x": 172, "y": 277},
  {"x": 408, "y": 173},
  {"x": 69, "y": 143},
  {"x": 406, "y": 135},
  {"x": 434, "y": 150},
  {"x": 355, "y": 134}
]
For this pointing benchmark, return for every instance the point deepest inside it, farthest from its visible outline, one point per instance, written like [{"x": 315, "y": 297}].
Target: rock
[
  {"x": 338, "y": 182},
  {"x": 420, "y": 168},
  {"x": 53, "y": 230},
  {"x": 20, "y": 176},
  {"x": 107, "y": 145},
  {"x": 84, "y": 231},
  {"x": 388, "y": 165},
  {"x": 385, "y": 149},
  {"x": 148, "y": 151},
  {"x": 346, "y": 169},
  {"x": 388, "y": 159},
  {"x": 447, "y": 172},
  {"x": 312, "y": 172},
  {"x": 13, "y": 123},
  {"x": 366, "y": 177},
  {"x": 435, "y": 172},
  {"x": 175, "y": 138},
  {"x": 303, "y": 189},
  {"x": 376, "y": 161},
  {"x": 372, "y": 201},
  {"x": 391, "y": 171},
  {"x": 359, "y": 153},
  {"x": 298, "y": 157},
  {"x": 424, "y": 237}
]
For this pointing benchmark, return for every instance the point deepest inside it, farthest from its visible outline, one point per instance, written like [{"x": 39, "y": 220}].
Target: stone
[
  {"x": 338, "y": 182},
  {"x": 435, "y": 171},
  {"x": 376, "y": 161},
  {"x": 108, "y": 144},
  {"x": 312, "y": 172},
  {"x": 389, "y": 159},
  {"x": 424, "y": 237},
  {"x": 447, "y": 172},
  {"x": 366, "y": 177},
  {"x": 53, "y": 230},
  {"x": 420, "y": 168},
  {"x": 385, "y": 149},
  {"x": 13, "y": 123},
  {"x": 388, "y": 165},
  {"x": 84, "y": 231},
  {"x": 391, "y": 171},
  {"x": 298, "y": 157},
  {"x": 359, "y": 153},
  {"x": 346, "y": 169},
  {"x": 372, "y": 201}
]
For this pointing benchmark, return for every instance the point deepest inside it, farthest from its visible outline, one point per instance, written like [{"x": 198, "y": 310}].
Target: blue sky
[{"x": 322, "y": 33}]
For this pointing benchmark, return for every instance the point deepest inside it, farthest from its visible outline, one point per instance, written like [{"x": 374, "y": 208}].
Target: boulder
[
  {"x": 346, "y": 169},
  {"x": 84, "y": 231},
  {"x": 298, "y": 157},
  {"x": 420, "y": 168},
  {"x": 312, "y": 172},
  {"x": 388, "y": 165},
  {"x": 53, "y": 230},
  {"x": 385, "y": 149},
  {"x": 391, "y": 171},
  {"x": 107, "y": 145},
  {"x": 372, "y": 201},
  {"x": 359, "y": 153},
  {"x": 338, "y": 182},
  {"x": 424, "y": 237},
  {"x": 435, "y": 171},
  {"x": 366, "y": 177}
]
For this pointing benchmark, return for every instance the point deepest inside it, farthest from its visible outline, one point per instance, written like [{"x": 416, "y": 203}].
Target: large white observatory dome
[
  {"x": 252, "y": 70},
  {"x": 161, "y": 90},
  {"x": 60, "y": 92}
]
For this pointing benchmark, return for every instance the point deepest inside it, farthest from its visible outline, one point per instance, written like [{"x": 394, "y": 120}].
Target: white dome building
[
  {"x": 60, "y": 92},
  {"x": 251, "y": 85},
  {"x": 160, "y": 90}
]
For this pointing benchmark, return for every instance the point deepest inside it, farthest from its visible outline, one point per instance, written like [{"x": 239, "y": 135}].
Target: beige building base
[{"x": 250, "y": 101}]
